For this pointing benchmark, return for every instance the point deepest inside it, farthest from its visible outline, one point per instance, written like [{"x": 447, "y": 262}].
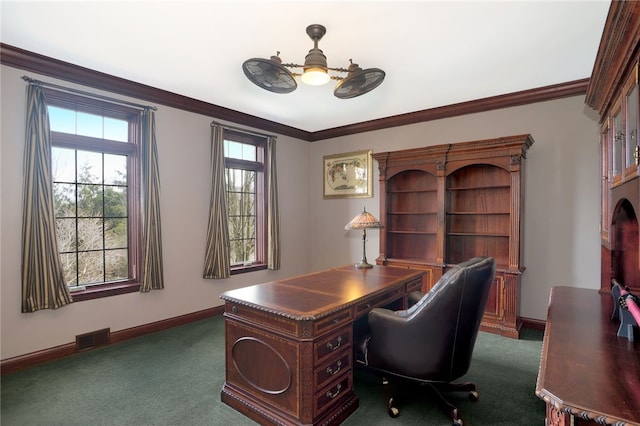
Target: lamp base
[{"x": 363, "y": 265}]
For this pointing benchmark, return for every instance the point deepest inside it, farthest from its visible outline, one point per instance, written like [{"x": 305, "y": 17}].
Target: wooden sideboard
[
  {"x": 588, "y": 375},
  {"x": 289, "y": 343}
]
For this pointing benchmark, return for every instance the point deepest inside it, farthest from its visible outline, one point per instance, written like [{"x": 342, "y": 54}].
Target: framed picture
[{"x": 347, "y": 175}]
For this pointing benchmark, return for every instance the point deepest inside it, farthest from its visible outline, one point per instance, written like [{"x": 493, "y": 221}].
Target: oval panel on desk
[{"x": 273, "y": 380}]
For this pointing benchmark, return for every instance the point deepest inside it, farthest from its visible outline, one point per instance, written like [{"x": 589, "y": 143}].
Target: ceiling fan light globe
[{"x": 315, "y": 77}]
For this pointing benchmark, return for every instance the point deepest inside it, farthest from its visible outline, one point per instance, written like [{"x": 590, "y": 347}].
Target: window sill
[
  {"x": 235, "y": 270},
  {"x": 106, "y": 290}
]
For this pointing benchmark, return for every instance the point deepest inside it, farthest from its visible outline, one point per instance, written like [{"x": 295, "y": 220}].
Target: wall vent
[{"x": 93, "y": 339}]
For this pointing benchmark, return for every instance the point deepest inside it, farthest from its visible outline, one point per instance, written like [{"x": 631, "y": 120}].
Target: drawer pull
[
  {"x": 333, "y": 348},
  {"x": 336, "y": 393},
  {"x": 234, "y": 309},
  {"x": 333, "y": 372}
]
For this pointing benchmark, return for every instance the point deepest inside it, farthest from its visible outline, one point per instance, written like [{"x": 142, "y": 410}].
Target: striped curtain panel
[
  {"x": 273, "y": 215},
  {"x": 217, "y": 261},
  {"x": 43, "y": 285},
  {"x": 153, "y": 272}
]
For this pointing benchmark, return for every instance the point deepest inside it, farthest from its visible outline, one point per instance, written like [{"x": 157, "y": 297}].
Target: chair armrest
[
  {"x": 390, "y": 333},
  {"x": 414, "y": 297}
]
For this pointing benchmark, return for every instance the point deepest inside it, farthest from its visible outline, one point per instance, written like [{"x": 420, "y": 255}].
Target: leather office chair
[{"x": 432, "y": 341}]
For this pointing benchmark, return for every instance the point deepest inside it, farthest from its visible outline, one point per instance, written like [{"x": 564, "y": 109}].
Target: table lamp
[{"x": 363, "y": 221}]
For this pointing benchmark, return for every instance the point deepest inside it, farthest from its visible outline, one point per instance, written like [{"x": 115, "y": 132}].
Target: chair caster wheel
[
  {"x": 393, "y": 412},
  {"x": 473, "y": 396}
]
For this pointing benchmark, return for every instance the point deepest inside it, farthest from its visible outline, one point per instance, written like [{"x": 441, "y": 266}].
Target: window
[
  {"x": 95, "y": 169},
  {"x": 246, "y": 203}
]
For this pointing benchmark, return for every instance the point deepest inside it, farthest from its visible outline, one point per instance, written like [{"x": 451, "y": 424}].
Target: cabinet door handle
[
  {"x": 338, "y": 343},
  {"x": 333, "y": 372},
  {"x": 336, "y": 393}
]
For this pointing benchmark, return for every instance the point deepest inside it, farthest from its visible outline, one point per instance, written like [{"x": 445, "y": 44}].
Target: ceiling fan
[{"x": 272, "y": 75}]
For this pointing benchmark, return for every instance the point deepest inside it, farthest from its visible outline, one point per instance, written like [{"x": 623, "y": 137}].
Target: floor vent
[{"x": 93, "y": 339}]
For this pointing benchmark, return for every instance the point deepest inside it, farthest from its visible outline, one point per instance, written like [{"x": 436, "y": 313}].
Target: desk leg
[{"x": 556, "y": 417}]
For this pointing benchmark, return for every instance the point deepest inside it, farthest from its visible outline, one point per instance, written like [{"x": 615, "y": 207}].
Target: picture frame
[{"x": 347, "y": 175}]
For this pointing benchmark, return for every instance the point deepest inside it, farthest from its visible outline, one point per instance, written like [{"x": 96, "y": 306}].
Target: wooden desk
[
  {"x": 288, "y": 343},
  {"x": 586, "y": 371}
]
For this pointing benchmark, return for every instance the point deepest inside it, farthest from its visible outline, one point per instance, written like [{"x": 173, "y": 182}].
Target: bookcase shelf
[
  {"x": 476, "y": 234},
  {"x": 413, "y": 191},
  {"x": 476, "y": 213},
  {"x": 409, "y": 213},
  {"x": 444, "y": 204},
  {"x": 475, "y": 188},
  {"x": 395, "y": 231}
]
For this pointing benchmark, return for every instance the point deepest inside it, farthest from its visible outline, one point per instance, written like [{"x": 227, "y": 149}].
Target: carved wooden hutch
[
  {"x": 444, "y": 204},
  {"x": 613, "y": 92}
]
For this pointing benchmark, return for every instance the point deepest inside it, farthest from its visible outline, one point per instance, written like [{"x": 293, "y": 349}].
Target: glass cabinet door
[
  {"x": 631, "y": 134},
  {"x": 617, "y": 154},
  {"x": 605, "y": 193}
]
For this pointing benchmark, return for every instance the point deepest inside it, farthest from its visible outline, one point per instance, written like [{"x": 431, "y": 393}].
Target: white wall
[
  {"x": 561, "y": 236},
  {"x": 184, "y": 151},
  {"x": 562, "y": 204}
]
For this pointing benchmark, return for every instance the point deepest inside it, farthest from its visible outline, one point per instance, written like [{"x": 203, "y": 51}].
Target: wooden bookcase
[
  {"x": 444, "y": 204},
  {"x": 614, "y": 92}
]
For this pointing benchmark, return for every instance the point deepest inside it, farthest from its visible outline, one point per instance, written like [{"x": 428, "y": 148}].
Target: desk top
[
  {"x": 586, "y": 369},
  {"x": 313, "y": 295}
]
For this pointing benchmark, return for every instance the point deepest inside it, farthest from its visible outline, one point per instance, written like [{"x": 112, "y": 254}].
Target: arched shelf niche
[{"x": 624, "y": 255}]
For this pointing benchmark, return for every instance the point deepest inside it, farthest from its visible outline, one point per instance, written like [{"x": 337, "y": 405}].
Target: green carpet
[{"x": 174, "y": 377}]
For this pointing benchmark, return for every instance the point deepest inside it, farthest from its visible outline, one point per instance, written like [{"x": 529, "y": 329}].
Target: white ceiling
[{"x": 434, "y": 53}]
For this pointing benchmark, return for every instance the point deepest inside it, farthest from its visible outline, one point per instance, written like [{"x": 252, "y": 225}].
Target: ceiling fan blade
[
  {"x": 359, "y": 82},
  {"x": 269, "y": 75}
]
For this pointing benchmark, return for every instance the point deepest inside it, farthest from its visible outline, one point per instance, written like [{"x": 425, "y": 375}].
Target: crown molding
[
  {"x": 29, "y": 61},
  {"x": 617, "y": 54},
  {"x": 541, "y": 94},
  {"x": 44, "y": 65}
]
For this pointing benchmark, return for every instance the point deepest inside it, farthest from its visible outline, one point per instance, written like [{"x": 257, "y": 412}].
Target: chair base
[{"x": 436, "y": 389}]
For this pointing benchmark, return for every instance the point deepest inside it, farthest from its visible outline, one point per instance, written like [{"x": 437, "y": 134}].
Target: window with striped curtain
[
  {"x": 98, "y": 174},
  {"x": 243, "y": 232}
]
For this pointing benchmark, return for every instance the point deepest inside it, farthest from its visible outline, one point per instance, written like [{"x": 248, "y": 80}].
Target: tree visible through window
[
  {"x": 245, "y": 185},
  {"x": 94, "y": 169},
  {"x": 91, "y": 215}
]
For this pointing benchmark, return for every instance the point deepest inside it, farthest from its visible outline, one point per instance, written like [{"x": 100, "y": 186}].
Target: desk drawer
[
  {"x": 331, "y": 394},
  {"x": 337, "y": 343},
  {"x": 263, "y": 319},
  {"x": 415, "y": 285},
  {"x": 377, "y": 301},
  {"x": 332, "y": 322},
  {"x": 332, "y": 369}
]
